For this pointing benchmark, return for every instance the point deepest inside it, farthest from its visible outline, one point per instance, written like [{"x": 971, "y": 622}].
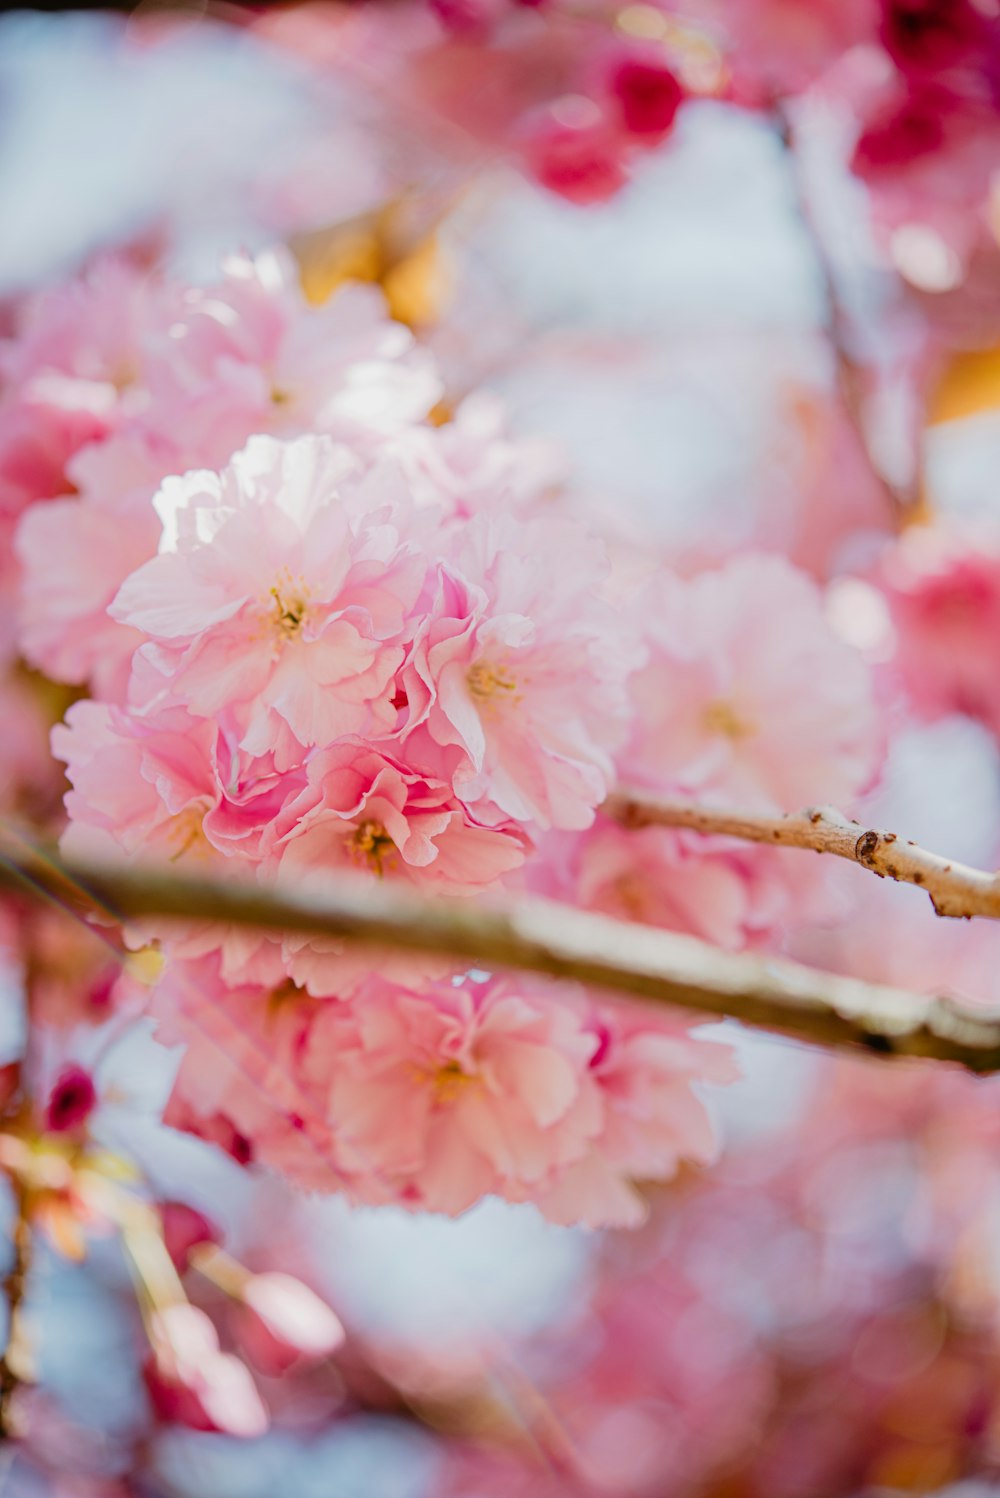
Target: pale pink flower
[
  {"x": 281, "y": 594},
  {"x": 473, "y": 464},
  {"x": 748, "y": 696},
  {"x": 516, "y": 683},
  {"x": 76, "y": 553},
  {"x": 439, "y": 1098},
  {"x": 249, "y": 354},
  {"x": 645, "y": 1065},
  {"x": 71, "y": 376}
]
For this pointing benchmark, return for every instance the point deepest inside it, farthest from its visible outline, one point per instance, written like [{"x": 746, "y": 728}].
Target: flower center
[
  {"x": 722, "y": 718},
  {"x": 289, "y": 605},
  {"x": 372, "y": 843},
  {"x": 486, "y": 680},
  {"x": 449, "y": 1081},
  {"x": 186, "y": 830}
]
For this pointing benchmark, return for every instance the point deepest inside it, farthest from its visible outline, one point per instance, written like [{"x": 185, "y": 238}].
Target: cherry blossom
[{"x": 748, "y": 697}]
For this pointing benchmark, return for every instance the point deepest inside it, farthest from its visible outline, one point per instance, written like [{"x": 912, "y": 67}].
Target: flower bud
[
  {"x": 282, "y": 1321},
  {"x": 192, "y": 1382}
]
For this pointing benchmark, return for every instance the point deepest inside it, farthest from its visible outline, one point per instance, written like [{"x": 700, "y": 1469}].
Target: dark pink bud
[
  {"x": 576, "y": 152},
  {"x": 648, "y": 96},
  {"x": 71, "y": 1101}
]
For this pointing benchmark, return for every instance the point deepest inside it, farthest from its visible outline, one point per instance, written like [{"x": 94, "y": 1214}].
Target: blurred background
[{"x": 817, "y": 1315}]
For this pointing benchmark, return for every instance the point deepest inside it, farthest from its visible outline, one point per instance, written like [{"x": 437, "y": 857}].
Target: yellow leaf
[{"x": 969, "y": 385}]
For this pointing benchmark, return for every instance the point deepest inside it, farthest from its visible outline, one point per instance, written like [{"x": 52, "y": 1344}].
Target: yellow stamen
[
  {"x": 722, "y": 718},
  {"x": 449, "y": 1081},
  {"x": 289, "y": 605},
  {"x": 373, "y": 843},
  {"x": 485, "y": 679}
]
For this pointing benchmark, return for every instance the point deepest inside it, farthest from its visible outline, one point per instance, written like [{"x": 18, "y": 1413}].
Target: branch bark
[
  {"x": 955, "y": 889},
  {"x": 550, "y": 939}
]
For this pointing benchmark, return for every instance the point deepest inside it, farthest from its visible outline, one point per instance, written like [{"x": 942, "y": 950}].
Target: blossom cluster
[
  {"x": 579, "y": 94},
  {"x": 327, "y": 635}
]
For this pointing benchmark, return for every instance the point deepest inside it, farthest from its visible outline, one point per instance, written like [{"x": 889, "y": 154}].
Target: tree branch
[
  {"x": 539, "y": 936},
  {"x": 954, "y": 888}
]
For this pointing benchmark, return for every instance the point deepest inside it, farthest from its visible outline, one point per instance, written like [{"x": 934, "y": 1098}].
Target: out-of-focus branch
[
  {"x": 902, "y": 500},
  {"x": 15, "y": 1364},
  {"x": 540, "y": 936},
  {"x": 955, "y": 889}
]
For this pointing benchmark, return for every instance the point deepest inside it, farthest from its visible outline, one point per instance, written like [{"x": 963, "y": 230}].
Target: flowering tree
[{"x": 417, "y": 810}]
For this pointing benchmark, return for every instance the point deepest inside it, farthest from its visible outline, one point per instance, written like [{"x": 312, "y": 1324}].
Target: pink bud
[
  {"x": 191, "y": 1382},
  {"x": 283, "y": 1321},
  {"x": 575, "y": 152},
  {"x": 71, "y": 1101},
  {"x": 183, "y": 1229}
]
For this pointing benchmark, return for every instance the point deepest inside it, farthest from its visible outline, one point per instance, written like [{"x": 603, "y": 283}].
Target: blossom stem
[{"x": 558, "y": 941}]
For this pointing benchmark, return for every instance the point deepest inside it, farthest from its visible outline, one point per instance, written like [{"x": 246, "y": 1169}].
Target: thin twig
[
  {"x": 955, "y": 889},
  {"x": 558, "y": 941}
]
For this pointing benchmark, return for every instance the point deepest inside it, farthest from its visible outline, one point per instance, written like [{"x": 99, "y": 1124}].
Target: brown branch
[
  {"x": 955, "y": 889},
  {"x": 558, "y": 941}
]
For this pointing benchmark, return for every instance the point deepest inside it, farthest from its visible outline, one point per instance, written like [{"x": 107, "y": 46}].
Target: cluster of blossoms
[
  {"x": 326, "y": 636},
  {"x": 577, "y": 94}
]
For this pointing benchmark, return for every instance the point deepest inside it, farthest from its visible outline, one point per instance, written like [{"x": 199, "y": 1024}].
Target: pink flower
[
  {"x": 362, "y": 811},
  {"x": 735, "y": 895},
  {"x": 243, "y": 1083},
  {"x": 281, "y": 594},
  {"x": 165, "y": 786},
  {"x": 645, "y": 1065},
  {"x": 439, "y": 1098},
  {"x": 748, "y": 696},
  {"x": 943, "y": 591},
  {"x": 516, "y": 682}
]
